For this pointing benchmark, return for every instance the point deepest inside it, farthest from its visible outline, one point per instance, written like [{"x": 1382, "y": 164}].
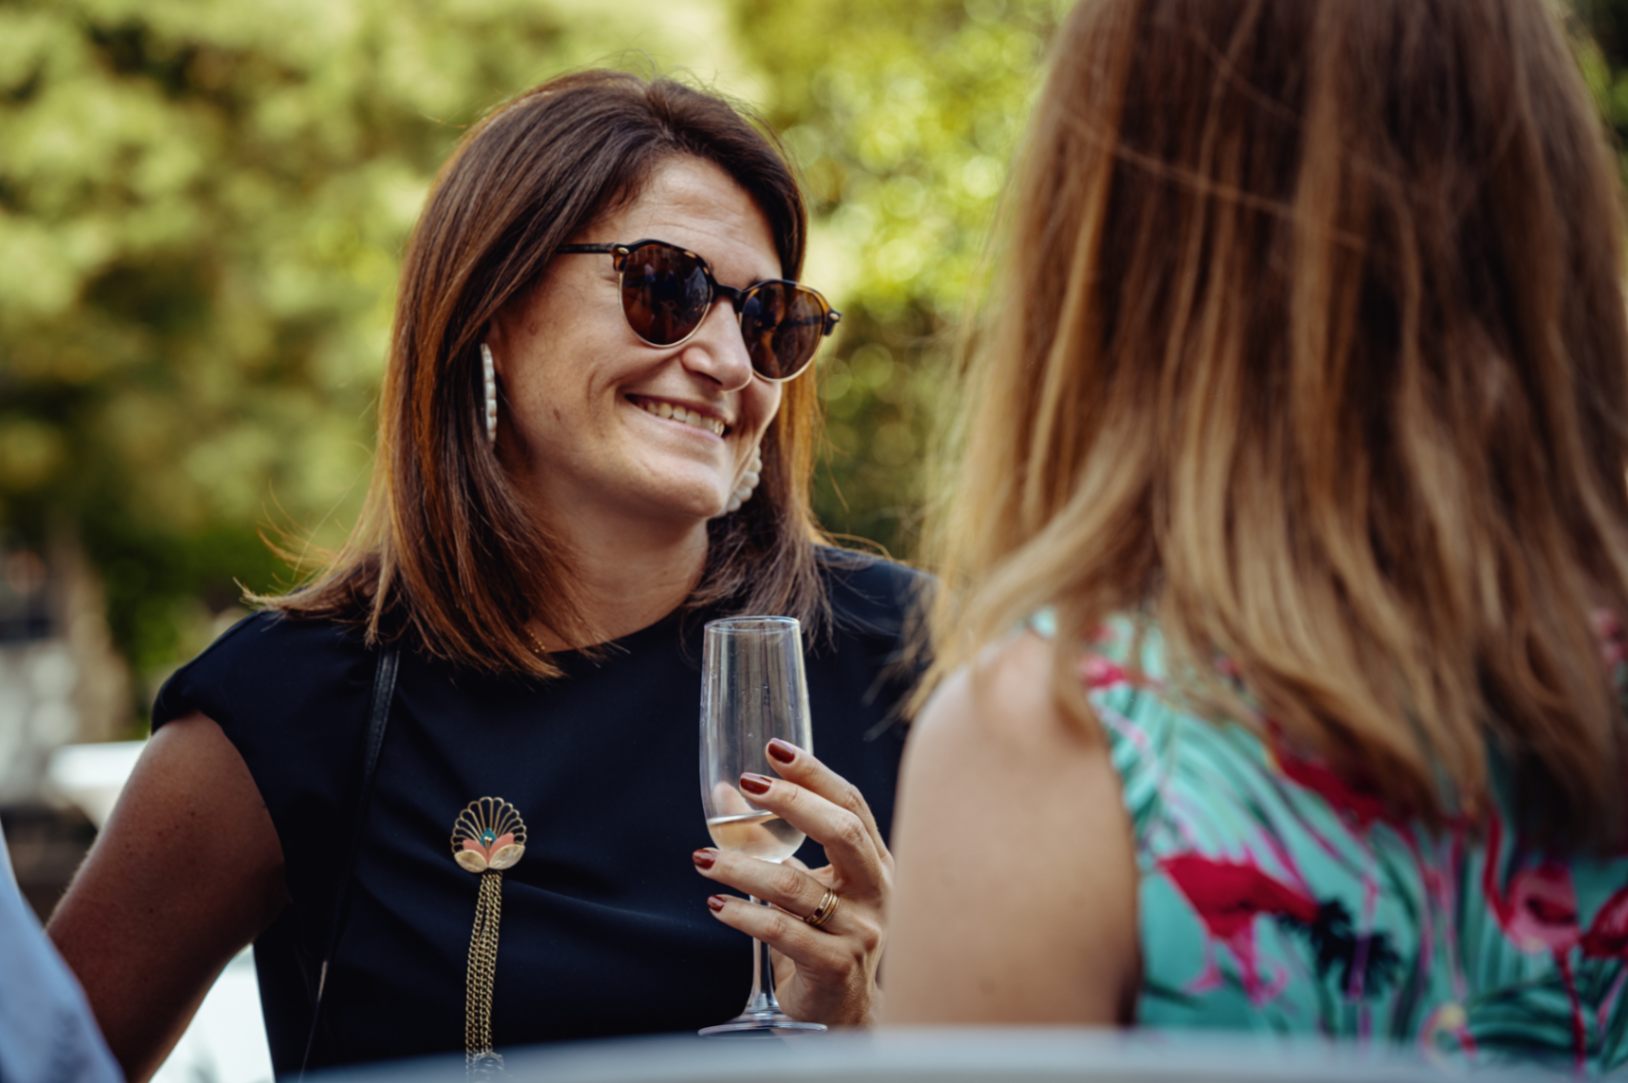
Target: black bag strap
[{"x": 378, "y": 714}]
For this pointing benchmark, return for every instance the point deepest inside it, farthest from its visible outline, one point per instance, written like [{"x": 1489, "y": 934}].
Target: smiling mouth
[{"x": 668, "y": 411}]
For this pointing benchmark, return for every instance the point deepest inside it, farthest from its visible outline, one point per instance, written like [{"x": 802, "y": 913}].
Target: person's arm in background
[
  {"x": 46, "y": 1030},
  {"x": 1016, "y": 898},
  {"x": 187, "y": 871}
]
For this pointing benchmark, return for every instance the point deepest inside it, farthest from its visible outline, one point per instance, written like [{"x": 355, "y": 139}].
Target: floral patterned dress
[{"x": 1276, "y": 898}]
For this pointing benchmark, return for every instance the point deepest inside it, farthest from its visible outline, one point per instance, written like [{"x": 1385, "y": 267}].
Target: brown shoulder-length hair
[
  {"x": 446, "y": 553},
  {"x": 1309, "y": 350}
]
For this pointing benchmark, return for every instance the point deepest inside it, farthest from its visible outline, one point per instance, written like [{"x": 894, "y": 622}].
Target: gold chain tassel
[
  {"x": 488, "y": 837},
  {"x": 478, "y": 1054}
]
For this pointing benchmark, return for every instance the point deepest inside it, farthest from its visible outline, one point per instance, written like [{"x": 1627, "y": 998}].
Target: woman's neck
[{"x": 629, "y": 574}]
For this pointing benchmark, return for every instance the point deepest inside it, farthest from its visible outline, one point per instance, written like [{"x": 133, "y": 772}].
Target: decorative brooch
[{"x": 488, "y": 837}]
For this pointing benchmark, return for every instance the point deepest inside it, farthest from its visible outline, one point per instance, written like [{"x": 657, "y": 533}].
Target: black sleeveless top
[{"x": 605, "y": 929}]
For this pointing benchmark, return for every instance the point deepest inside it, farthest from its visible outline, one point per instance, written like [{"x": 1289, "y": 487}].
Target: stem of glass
[{"x": 762, "y": 998}]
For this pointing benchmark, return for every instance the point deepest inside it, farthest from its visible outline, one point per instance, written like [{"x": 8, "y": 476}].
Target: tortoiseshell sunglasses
[{"x": 667, "y": 292}]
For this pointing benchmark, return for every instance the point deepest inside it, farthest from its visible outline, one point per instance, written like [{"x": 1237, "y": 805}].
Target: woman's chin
[{"x": 683, "y": 504}]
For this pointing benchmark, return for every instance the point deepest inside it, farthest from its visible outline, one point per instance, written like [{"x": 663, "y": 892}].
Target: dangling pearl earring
[
  {"x": 489, "y": 373},
  {"x": 747, "y": 484}
]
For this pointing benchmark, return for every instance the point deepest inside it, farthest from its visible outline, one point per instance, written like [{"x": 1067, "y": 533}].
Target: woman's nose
[{"x": 718, "y": 351}]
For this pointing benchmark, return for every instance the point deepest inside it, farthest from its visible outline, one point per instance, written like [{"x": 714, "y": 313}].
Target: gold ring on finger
[{"x": 828, "y": 906}]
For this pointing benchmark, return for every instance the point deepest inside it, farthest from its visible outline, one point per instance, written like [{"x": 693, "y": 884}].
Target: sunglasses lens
[
  {"x": 665, "y": 293},
  {"x": 783, "y": 324}
]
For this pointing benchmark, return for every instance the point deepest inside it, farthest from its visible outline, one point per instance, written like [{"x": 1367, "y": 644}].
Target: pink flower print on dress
[
  {"x": 1228, "y": 896},
  {"x": 1099, "y": 673},
  {"x": 1538, "y": 914},
  {"x": 1543, "y": 910},
  {"x": 1538, "y": 911},
  {"x": 1361, "y": 806},
  {"x": 1607, "y": 938}
]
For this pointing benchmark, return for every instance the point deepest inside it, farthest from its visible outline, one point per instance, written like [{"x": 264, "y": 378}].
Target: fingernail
[
  {"x": 757, "y": 784},
  {"x": 782, "y": 751},
  {"x": 715, "y": 903},
  {"x": 704, "y": 857}
]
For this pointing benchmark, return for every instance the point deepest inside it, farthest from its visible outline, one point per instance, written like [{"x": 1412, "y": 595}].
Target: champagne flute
[{"x": 752, "y": 690}]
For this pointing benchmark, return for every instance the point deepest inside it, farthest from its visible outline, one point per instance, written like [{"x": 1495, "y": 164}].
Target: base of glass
[{"x": 761, "y": 1024}]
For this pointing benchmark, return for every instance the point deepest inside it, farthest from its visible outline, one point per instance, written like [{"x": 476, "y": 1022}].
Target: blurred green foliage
[
  {"x": 203, "y": 203},
  {"x": 904, "y": 119},
  {"x": 202, "y": 207},
  {"x": 1603, "y": 51}
]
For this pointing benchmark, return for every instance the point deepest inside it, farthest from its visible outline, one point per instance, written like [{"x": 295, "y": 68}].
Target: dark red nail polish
[
  {"x": 782, "y": 751},
  {"x": 715, "y": 903},
  {"x": 704, "y": 857},
  {"x": 757, "y": 784}
]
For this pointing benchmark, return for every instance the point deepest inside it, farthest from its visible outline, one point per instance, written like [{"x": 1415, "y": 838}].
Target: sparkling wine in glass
[{"x": 752, "y": 691}]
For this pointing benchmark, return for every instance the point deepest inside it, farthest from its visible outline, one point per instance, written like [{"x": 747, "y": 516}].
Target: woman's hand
[{"x": 824, "y": 973}]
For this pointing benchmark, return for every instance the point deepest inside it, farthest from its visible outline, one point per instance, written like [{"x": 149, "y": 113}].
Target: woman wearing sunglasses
[{"x": 596, "y": 433}]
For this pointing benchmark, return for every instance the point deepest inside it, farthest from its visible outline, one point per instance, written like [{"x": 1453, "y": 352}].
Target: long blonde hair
[{"x": 1308, "y": 346}]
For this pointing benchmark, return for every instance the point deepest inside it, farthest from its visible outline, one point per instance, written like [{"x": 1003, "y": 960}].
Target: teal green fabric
[{"x": 1275, "y": 897}]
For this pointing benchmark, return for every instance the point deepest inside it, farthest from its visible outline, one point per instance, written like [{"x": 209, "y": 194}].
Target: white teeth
[{"x": 686, "y": 415}]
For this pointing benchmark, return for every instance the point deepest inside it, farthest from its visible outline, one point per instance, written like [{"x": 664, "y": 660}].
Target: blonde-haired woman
[{"x": 1296, "y": 449}]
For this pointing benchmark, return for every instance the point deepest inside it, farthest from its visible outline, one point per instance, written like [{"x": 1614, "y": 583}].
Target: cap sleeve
[{"x": 290, "y": 694}]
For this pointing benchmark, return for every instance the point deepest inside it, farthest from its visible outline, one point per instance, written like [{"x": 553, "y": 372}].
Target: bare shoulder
[
  {"x": 187, "y": 870},
  {"x": 1005, "y": 701},
  {"x": 1015, "y": 857}
]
